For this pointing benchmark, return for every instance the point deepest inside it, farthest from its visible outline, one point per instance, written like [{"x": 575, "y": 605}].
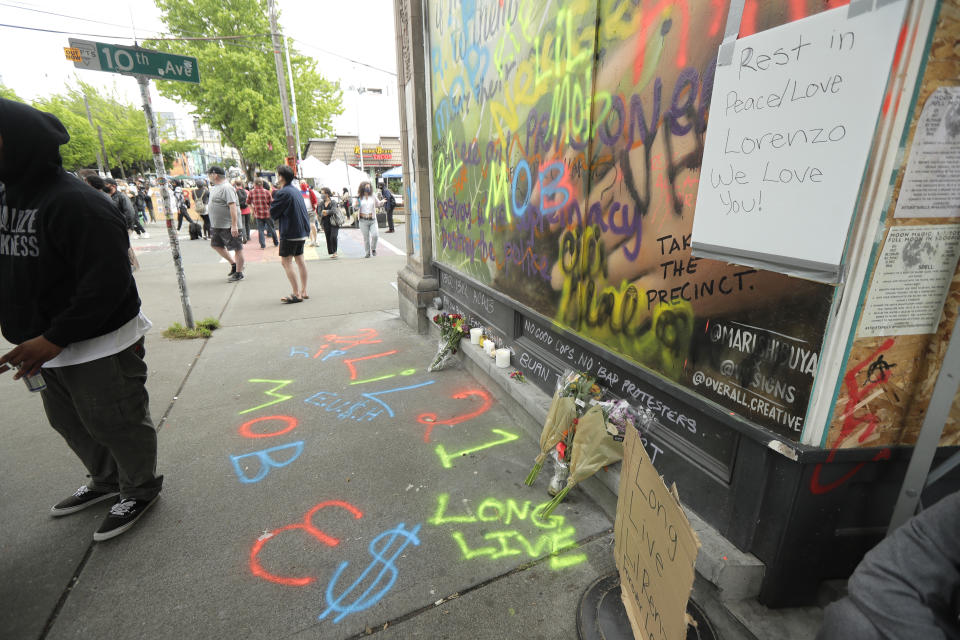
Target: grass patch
[{"x": 203, "y": 329}]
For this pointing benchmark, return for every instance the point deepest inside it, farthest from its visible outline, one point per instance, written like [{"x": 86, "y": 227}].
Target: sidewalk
[{"x": 319, "y": 483}]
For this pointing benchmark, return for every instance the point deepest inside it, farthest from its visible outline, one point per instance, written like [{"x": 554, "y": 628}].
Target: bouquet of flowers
[
  {"x": 452, "y": 329},
  {"x": 592, "y": 450},
  {"x": 570, "y": 401}
]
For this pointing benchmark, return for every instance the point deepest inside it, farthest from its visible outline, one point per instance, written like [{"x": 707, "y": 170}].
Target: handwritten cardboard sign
[
  {"x": 656, "y": 548},
  {"x": 791, "y": 123}
]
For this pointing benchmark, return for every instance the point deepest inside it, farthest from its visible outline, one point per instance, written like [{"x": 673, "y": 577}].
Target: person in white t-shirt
[{"x": 69, "y": 303}]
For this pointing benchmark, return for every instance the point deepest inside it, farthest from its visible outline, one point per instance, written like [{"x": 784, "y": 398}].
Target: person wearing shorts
[
  {"x": 290, "y": 212},
  {"x": 224, "y": 218}
]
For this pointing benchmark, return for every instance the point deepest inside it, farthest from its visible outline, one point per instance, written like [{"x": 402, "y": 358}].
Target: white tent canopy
[
  {"x": 311, "y": 167},
  {"x": 339, "y": 175}
]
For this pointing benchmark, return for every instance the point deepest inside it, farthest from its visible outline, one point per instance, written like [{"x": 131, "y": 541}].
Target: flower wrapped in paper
[
  {"x": 592, "y": 449},
  {"x": 453, "y": 328},
  {"x": 575, "y": 391}
]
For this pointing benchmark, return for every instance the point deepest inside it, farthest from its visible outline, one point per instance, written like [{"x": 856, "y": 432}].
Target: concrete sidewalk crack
[
  {"x": 66, "y": 593},
  {"x": 61, "y": 602},
  {"x": 193, "y": 365},
  {"x": 480, "y": 585}
]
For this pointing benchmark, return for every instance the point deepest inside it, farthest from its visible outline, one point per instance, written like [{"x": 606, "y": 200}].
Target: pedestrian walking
[
  {"x": 178, "y": 204},
  {"x": 124, "y": 205},
  {"x": 290, "y": 213},
  {"x": 328, "y": 218},
  {"x": 367, "y": 204},
  {"x": 144, "y": 192},
  {"x": 201, "y": 198},
  {"x": 70, "y": 304},
  {"x": 244, "y": 205},
  {"x": 224, "y": 217},
  {"x": 310, "y": 202},
  {"x": 260, "y": 200},
  {"x": 389, "y": 204}
]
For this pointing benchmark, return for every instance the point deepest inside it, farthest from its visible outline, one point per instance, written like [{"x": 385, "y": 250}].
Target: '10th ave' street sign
[{"x": 100, "y": 56}]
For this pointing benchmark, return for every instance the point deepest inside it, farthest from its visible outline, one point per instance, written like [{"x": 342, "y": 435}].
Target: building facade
[
  {"x": 553, "y": 161},
  {"x": 373, "y": 159}
]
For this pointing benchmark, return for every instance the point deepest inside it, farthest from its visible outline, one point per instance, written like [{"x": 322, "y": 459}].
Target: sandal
[
  {"x": 291, "y": 299},
  {"x": 304, "y": 297}
]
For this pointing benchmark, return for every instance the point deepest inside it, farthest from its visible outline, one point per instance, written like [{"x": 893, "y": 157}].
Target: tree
[
  {"x": 81, "y": 151},
  {"x": 124, "y": 125},
  {"x": 238, "y": 93},
  {"x": 8, "y": 93},
  {"x": 172, "y": 149}
]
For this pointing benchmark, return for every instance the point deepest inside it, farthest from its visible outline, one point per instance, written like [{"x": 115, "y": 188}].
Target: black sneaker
[
  {"x": 235, "y": 277},
  {"x": 233, "y": 269},
  {"x": 123, "y": 514},
  {"x": 81, "y": 499},
  {"x": 374, "y": 252}
]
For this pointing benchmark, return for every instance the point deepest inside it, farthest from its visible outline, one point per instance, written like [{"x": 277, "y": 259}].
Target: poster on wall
[
  {"x": 792, "y": 120},
  {"x": 567, "y": 141},
  {"x": 931, "y": 185},
  {"x": 911, "y": 281}
]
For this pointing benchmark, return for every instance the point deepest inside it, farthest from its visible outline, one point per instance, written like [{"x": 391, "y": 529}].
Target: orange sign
[{"x": 73, "y": 54}]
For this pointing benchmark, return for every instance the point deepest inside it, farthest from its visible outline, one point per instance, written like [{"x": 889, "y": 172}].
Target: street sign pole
[
  {"x": 144, "y": 64},
  {"x": 168, "y": 215}
]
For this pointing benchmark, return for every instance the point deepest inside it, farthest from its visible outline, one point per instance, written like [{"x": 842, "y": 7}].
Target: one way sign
[{"x": 134, "y": 61}]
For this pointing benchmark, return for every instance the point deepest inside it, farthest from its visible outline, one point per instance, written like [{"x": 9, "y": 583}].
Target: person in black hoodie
[{"x": 70, "y": 304}]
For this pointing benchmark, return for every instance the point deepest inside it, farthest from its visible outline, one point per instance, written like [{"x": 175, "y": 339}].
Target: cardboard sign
[
  {"x": 792, "y": 119},
  {"x": 656, "y": 548}
]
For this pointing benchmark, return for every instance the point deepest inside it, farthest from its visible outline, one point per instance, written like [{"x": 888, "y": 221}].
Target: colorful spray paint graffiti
[
  {"x": 347, "y": 591},
  {"x": 552, "y": 535},
  {"x": 567, "y": 142}
]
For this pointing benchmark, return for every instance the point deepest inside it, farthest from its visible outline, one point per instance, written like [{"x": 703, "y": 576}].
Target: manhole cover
[{"x": 601, "y": 615}]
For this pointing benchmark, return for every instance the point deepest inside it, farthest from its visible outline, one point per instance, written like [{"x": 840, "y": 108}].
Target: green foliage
[
  {"x": 238, "y": 93},
  {"x": 203, "y": 329},
  {"x": 172, "y": 149},
  {"x": 9, "y": 94},
  {"x": 81, "y": 151},
  {"x": 124, "y": 127}
]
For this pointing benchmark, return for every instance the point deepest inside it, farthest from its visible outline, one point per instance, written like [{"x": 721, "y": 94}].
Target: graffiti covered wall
[{"x": 567, "y": 143}]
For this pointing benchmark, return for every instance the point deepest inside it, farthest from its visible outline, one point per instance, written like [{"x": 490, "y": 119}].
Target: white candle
[
  {"x": 475, "y": 334},
  {"x": 490, "y": 347},
  {"x": 503, "y": 358}
]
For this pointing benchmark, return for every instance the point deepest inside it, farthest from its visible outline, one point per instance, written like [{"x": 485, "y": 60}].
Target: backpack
[
  {"x": 201, "y": 204},
  {"x": 242, "y": 198}
]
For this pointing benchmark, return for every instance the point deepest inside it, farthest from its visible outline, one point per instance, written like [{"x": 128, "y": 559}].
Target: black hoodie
[{"x": 64, "y": 269}]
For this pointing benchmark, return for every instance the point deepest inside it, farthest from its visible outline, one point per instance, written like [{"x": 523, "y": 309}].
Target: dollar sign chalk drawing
[{"x": 368, "y": 598}]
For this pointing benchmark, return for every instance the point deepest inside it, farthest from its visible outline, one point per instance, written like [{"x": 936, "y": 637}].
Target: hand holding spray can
[{"x": 35, "y": 382}]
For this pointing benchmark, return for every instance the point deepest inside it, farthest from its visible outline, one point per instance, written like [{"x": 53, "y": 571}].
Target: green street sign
[{"x": 134, "y": 61}]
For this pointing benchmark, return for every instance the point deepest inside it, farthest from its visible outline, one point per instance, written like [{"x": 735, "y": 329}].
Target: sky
[{"x": 32, "y": 62}]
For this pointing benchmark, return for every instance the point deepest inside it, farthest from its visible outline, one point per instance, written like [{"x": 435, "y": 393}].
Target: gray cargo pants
[{"x": 101, "y": 409}]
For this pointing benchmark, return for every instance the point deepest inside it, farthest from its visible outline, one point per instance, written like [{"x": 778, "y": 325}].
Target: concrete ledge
[{"x": 736, "y": 575}]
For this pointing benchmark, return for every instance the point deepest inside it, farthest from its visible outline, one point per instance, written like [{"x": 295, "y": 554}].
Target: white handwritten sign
[{"x": 791, "y": 123}]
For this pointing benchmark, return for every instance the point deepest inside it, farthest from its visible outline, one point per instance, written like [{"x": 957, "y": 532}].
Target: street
[{"x": 318, "y": 482}]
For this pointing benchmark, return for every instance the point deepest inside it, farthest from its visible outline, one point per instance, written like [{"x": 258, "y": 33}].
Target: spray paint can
[{"x": 35, "y": 382}]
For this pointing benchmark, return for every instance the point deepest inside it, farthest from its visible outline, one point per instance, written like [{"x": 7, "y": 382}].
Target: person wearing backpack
[{"x": 202, "y": 197}]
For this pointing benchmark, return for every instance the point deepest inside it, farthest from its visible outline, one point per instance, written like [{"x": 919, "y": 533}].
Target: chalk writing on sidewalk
[
  {"x": 430, "y": 419},
  {"x": 266, "y": 460},
  {"x": 360, "y": 408},
  {"x": 446, "y": 459},
  {"x": 552, "y": 535},
  {"x": 382, "y": 563},
  {"x": 278, "y": 397},
  {"x": 306, "y": 525}
]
